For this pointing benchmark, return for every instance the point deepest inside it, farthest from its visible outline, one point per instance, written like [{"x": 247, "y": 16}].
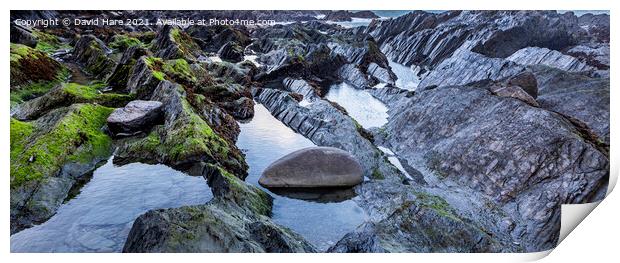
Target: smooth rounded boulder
[
  {"x": 136, "y": 116},
  {"x": 313, "y": 168}
]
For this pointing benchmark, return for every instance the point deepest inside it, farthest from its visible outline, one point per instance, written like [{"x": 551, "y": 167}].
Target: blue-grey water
[
  {"x": 361, "y": 106},
  {"x": 100, "y": 217},
  {"x": 265, "y": 139},
  {"x": 406, "y": 77}
]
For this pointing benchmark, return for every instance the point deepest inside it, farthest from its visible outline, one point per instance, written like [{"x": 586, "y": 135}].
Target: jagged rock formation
[
  {"x": 92, "y": 53},
  {"x": 461, "y": 135},
  {"x": 547, "y": 57}
]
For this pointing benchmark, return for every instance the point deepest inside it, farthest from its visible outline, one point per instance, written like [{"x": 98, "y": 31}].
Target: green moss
[
  {"x": 179, "y": 69},
  {"x": 246, "y": 195},
  {"x": 123, "y": 42},
  {"x": 92, "y": 93},
  {"x": 437, "y": 204},
  {"x": 37, "y": 89},
  {"x": 376, "y": 174},
  {"x": 75, "y": 137},
  {"x": 48, "y": 43},
  {"x": 186, "y": 44},
  {"x": 19, "y": 51},
  {"x": 33, "y": 73},
  {"x": 20, "y": 132}
]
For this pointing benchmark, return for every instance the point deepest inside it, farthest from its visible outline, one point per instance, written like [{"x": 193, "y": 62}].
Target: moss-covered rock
[
  {"x": 47, "y": 155},
  {"x": 124, "y": 68},
  {"x": 92, "y": 54},
  {"x": 48, "y": 43},
  {"x": 66, "y": 94},
  {"x": 174, "y": 43},
  {"x": 67, "y": 134},
  {"x": 185, "y": 141},
  {"x": 123, "y": 42},
  {"x": 33, "y": 73}
]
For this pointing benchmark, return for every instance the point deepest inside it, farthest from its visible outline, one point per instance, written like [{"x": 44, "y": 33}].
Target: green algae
[{"x": 76, "y": 136}]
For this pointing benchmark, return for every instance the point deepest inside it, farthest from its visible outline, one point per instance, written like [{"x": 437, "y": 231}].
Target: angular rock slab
[
  {"x": 136, "y": 116},
  {"x": 313, "y": 167}
]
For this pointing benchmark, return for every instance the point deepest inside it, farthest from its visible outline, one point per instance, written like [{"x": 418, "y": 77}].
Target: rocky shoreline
[{"x": 509, "y": 121}]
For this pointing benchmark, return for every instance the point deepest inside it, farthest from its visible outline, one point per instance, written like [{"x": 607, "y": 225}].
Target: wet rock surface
[
  {"x": 313, "y": 167},
  {"x": 136, "y": 116}
]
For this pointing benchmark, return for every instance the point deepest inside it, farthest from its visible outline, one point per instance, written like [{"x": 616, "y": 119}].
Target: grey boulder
[
  {"x": 313, "y": 167},
  {"x": 136, "y": 116}
]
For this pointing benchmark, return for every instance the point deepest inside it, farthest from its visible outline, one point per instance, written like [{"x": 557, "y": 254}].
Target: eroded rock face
[
  {"x": 92, "y": 53},
  {"x": 313, "y": 167},
  {"x": 467, "y": 67},
  {"x": 548, "y": 57},
  {"x": 577, "y": 95},
  {"x": 231, "y": 52},
  {"x": 517, "y": 155},
  {"x": 136, "y": 116}
]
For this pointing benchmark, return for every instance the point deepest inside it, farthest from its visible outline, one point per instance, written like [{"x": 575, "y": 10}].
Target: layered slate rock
[
  {"x": 467, "y": 67},
  {"x": 48, "y": 156},
  {"x": 92, "y": 53},
  {"x": 313, "y": 167},
  {"x": 22, "y": 35},
  {"x": 212, "y": 38},
  {"x": 136, "y": 116},
  {"x": 123, "y": 70},
  {"x": 547, "y": 57},
  {"x": 426, "y": 39},
  {"x": 516, "y": 155},
  {"x": 232, "y": 52},
  {"x": 173, "y": 43},
  {"x": 236, "y": 220},
  {"x": 577, "y": 95}
]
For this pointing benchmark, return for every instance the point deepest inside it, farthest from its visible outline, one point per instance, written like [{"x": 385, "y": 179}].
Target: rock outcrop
[
  {"x": 491, "y": 145},
  {"x": 173, "y": 43},
  {"x": 577, "y": 95},
  {"x": 467, "y": 67},
  {"x": 231, "y": 51},
  {"x": 92, "y": 53},
  {"x": 547, "y": 57},
  {"x": 313, "y": 168},
  {"x": 64, "y": 95}
]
